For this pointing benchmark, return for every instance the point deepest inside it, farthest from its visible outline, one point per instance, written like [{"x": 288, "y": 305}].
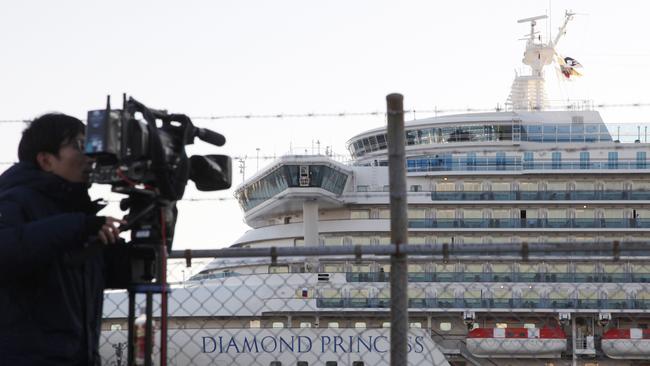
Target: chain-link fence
[{"x": 335, "y": 310}]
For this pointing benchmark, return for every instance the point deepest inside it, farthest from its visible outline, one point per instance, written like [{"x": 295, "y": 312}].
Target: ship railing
[
  {"x": 508, "y": 277},
  {"x": 515, "y": 164},
  {"x": 635, "y": 223},
  {"x": 489, "y": 303},
  {"x": 553, "y": 195}
]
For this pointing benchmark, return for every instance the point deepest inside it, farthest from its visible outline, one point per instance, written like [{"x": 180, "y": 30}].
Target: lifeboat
[
  {"x": 631, "y": 343},
  {"x": 517, "y": 342}
]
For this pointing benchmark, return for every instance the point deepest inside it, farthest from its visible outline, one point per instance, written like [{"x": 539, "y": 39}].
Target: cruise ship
[{"x": 526, "y": 176}]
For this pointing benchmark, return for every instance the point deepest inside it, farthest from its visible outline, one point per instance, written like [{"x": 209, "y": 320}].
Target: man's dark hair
[{"x": 48, "y": 133}]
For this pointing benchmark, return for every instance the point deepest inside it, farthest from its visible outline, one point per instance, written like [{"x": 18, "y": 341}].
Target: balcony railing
[
  {"x": 549, "y": 277},
  {"x": 448, "y": 303},
  {"x": 529, "y": 223},
  {"x": 540, "y": 196},
  {"x": 516, "y": 164}
]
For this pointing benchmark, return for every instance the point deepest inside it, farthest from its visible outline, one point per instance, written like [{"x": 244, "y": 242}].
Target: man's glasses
[{"x": 77, "y": 144}]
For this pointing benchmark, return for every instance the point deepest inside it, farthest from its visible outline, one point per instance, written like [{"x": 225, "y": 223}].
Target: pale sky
[{"x": 215, "y": 58}]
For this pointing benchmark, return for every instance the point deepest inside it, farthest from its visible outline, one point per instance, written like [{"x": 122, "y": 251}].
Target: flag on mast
[{"x": 568, "y": 66}]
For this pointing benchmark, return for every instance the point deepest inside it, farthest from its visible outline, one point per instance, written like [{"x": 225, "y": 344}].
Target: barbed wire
[{"x": 435, "y": 110}]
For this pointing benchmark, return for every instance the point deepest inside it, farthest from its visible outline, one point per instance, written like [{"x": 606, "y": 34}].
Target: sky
[{"x": 255, "y": 57}]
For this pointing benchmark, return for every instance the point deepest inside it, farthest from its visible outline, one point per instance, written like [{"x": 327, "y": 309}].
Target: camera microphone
[{"x": 210, "y": 136}]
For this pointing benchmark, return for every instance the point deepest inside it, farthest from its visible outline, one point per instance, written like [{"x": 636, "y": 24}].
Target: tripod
[{"x": 151, "y": 226}]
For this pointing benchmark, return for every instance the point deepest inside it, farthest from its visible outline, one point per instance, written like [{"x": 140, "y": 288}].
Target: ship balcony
[
  {"x": 494, "y": 277},
  {"x": 541, "y": 196},
  {"x": 515, "y": 164},
  {"x": 488, "y": 303},
  {"x": 637, "y": 223}
]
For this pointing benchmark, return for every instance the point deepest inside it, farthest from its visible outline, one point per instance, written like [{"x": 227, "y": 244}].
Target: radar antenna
[
  {"x": 527, "y": 92},
  {"x": 568, "y": 15}
]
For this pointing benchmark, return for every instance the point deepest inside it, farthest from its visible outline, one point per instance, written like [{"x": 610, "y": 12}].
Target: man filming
[{"x": 52, "y": 273}]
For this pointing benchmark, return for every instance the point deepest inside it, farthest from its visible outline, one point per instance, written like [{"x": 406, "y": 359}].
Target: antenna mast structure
[{"x": 527, "y": 92}]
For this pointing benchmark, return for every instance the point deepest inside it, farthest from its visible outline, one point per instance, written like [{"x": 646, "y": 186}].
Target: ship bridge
[{"x": 294, "y": 184}]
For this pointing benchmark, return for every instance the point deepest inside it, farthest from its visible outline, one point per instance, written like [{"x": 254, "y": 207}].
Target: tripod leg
[
  {"x": 148, "y": 343},
  {"x": 131, "y": 331}
]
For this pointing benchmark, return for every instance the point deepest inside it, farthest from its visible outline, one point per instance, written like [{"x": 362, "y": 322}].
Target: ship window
[
  {"x": 445, "y": 214},
  {"x": 275, "y": 363},
  {"x": 414, "y": 240},
  {"x": 331, "y": 363},
  {"x": 529, "y": 325},
  {"x": 385, "y": 325},
  {"x": 116, "y": 327},
  {"x": 360, "y": 325},
  {"x": 357, "y": 363},
  {"x": 254, "y": 324},
  {"x": 641, "y": 159},
  {"x": 333, "y": 324},
  {"x": 362, "y": 188},
  {"x": 416, "y": 188},
  {"x": 361, "y": 240},
  {"x": 578, "y": 133},
  {"x": 501, "y": 160},
  {"x": 278, "y": 269},
  {"x": 302, "y": 363},
  {"x": 612, "y": 160},
  {"x": 528, "y": 186},
  {"x": 416, "y": 213},
  {"x": 360, "y": 214},
  {"x": 501, "y": 325},
  {"x": 612, "y": 213},
  {"x": 528, "y": 160},
  {"x": 305, "y": 325},
  {"x": 472, "y": 186},
  {"x": 332, "y": 241},
  {"x": 445, "y": 187},
  {"x": 614, "y": 186},
  {"x": 415, "y": 325},
  {"x": 556, "y": 186},
  {"x": 584, "y": 160},
  {"x": 445, "y": 326},
  {"x": 556, "y": 158},
  {"x": 563, "y": 133},
  {"x": 278, "y": 325},
  {"x": 471, "y": 161}
]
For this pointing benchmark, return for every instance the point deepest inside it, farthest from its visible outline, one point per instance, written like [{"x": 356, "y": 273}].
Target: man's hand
[{"x": 109, "y": 233}]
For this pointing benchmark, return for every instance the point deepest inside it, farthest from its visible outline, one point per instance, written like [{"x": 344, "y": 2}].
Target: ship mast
[{"x": 527, "y": 92}]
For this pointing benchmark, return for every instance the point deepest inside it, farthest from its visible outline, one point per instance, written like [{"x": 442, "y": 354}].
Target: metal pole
[
  {"x": 574, "y": 355},
  {"x": 163, "y": 299},
  {"x": 148, "y": 340},
  {"x": 398, "y": 230},
  {"x": 612, "y": 250},
  {"x": 130, "y": 344}
]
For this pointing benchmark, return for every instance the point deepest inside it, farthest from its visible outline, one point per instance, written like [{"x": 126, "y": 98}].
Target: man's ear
[{"x": 44, "y": 161}]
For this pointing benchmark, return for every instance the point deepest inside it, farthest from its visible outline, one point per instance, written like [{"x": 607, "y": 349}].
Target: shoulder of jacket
[{"x": 18, "y": 194}]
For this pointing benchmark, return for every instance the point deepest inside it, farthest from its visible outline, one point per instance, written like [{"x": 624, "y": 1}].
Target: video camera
[
  {"x": 140, "y": 152},
  {"x": 152, "y": 152}
]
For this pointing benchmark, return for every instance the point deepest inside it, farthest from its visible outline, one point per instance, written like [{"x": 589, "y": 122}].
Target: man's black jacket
[{"x": 51, "y": 285}]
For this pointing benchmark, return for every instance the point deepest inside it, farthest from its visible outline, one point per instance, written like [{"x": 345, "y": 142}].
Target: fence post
[{"x": 398, "y": 230}]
